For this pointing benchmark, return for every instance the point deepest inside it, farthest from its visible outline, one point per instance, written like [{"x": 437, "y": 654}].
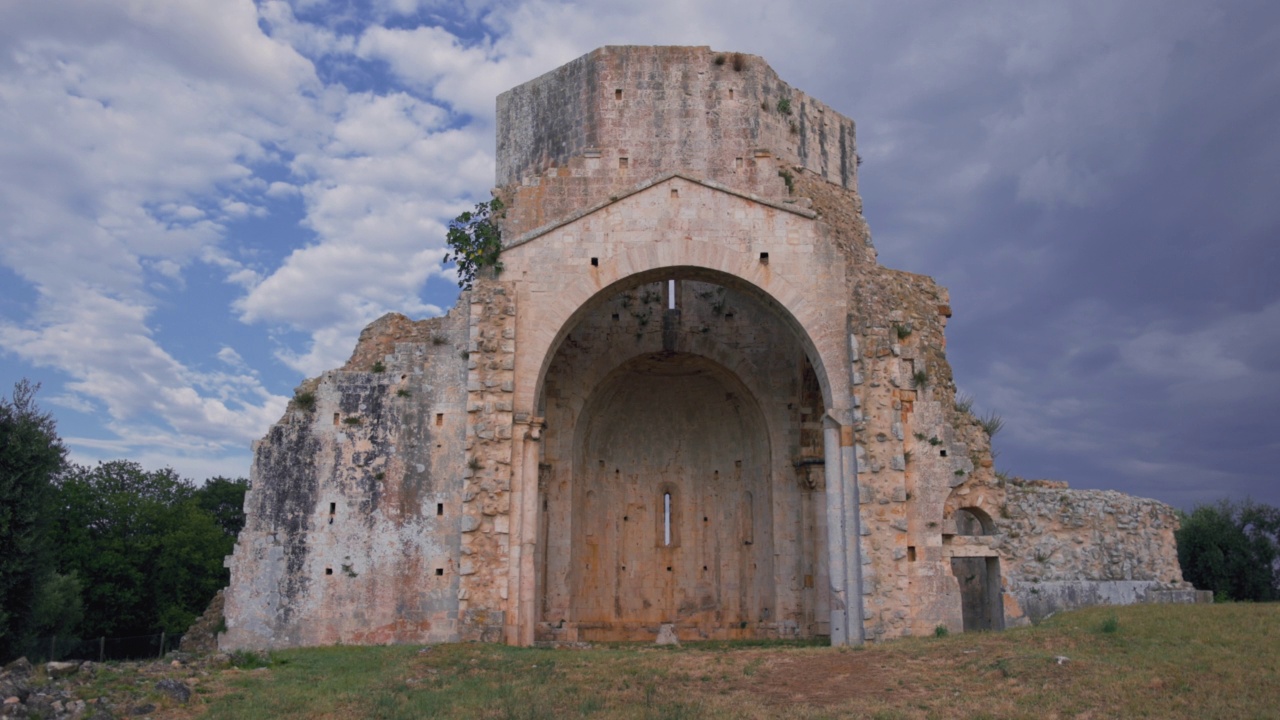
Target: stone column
[
  {"x": 852, "y": 537},
  {"x": 522, "y": 579},
  {"x": 836, "y": 535}
]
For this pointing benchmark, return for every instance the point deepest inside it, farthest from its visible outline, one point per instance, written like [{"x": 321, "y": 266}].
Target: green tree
[
  {"x": 476, "y": 241},
  {"x": 30, "y": 454},
  {"x": 223, "y": 499},
  {"x": 188, "y": 570},
  {"x": 149, "y": 555},
  {"x": 59, "y": 608},
  {"x": 1232, "y": 549}
]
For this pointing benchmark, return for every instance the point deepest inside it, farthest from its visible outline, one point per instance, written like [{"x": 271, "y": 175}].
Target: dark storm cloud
[{"x": 1096, "y": 184}]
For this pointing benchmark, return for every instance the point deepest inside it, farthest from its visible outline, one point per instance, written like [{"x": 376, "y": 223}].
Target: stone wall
[
  {"x": 618, "y": 116},
  {"x": 1065, "y": 548},
  {"x": 353, "y": 512},
  {"x": 486, "y": 497}
]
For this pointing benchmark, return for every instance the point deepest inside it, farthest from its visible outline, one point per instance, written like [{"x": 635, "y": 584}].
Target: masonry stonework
[{"x": 692, "y": 398}]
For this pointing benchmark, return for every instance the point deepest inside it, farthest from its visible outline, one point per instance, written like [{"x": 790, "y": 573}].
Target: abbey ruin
[{"x": 692, "y": 397}]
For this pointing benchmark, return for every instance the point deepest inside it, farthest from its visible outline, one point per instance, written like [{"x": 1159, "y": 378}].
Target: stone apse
[{"x": 691, "y": 397}]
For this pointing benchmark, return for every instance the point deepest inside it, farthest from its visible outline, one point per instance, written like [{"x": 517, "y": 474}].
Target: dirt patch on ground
[{"x": 825, "y": 679}]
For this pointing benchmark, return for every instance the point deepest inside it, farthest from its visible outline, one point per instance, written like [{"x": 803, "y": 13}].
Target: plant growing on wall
[{"x": 476, "y": 241}]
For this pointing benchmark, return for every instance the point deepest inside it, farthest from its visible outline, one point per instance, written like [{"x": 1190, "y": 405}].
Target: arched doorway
[
  {"x": 681, "y": 477},
  {"x": 981, "y": 602}
]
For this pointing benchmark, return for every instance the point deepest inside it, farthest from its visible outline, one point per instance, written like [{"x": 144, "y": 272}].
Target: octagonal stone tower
[{"x": 691, "y": 398}]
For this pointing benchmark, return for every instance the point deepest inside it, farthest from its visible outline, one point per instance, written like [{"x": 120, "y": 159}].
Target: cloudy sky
[{"x": 203, "y": 201}]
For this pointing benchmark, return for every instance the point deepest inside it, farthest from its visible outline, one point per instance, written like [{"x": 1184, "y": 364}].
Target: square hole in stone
[
  {"x": 328, "y": 571},
  {"x": 439, "y": 571}
]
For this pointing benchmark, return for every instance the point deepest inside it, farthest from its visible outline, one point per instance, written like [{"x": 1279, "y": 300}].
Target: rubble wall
[
  {"x": 353, "y": 511},
  {"x": 1067, "y": 548}
]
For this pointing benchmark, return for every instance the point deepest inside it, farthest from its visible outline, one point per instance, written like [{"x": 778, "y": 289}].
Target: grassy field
[{"x": 1208, "y": 661}]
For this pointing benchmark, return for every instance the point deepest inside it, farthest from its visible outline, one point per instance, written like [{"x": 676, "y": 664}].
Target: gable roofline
[{"x": 653, "y": 182}]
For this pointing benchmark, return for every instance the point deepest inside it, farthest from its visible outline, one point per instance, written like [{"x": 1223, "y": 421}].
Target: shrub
[
  {"x": 991, "y": 423},
  {"x": 305, "y": 400},
  {"x": 476, "y": 241},
  {"x": 1232, "y": 549},
  {"x": 789, "y": 179},
  {"x": 784, "y": 106}
]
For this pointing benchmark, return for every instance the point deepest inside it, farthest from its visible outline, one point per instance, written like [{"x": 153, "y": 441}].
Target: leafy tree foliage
[
  {"x": 1233, "y": 550},
  {"x": 223, "y": 499},
  {"x": 476, "y": 241},
  {"x": 59, "y": 609},
  {"x": 30, "y": 454},
  {"x": 149, "y": 555}
]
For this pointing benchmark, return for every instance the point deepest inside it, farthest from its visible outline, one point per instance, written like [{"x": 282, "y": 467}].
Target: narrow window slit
[
  {"x": 666, "y": 519},
  {"x": 439, "y": 419},
  {"x": 439, "y": 509},
  {"x": 595, "y": 262},
  {"x": 617, "y": 94}
]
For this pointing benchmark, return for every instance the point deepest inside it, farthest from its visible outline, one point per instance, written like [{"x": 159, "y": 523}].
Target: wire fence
[{"x": 136, "y": 647}]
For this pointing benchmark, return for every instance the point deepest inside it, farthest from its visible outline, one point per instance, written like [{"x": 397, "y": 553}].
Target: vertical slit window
[{"x": 666, "y": 519}]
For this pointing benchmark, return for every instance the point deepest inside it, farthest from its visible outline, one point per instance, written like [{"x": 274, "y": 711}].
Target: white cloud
[{"x": 128, "y": 135}]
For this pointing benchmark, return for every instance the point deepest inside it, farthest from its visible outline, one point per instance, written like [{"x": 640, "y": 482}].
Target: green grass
[{"x": 1162, "y": 661}]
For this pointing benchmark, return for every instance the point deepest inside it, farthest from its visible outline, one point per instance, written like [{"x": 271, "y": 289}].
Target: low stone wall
[
  {"x": 1067, "y": 549},
  {"x": 1040, "y": 600}
]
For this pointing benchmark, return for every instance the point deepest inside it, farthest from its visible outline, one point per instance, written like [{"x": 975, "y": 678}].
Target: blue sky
[{"x": 202, "y": 203}]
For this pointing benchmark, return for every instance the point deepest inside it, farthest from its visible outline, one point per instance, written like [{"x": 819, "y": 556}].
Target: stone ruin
[{"x": 691, "y": 398}]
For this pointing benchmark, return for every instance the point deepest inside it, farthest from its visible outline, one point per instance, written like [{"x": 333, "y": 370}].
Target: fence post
[
  {"x": 102, "y": 648},
  {"x": 161, "y": 643}
]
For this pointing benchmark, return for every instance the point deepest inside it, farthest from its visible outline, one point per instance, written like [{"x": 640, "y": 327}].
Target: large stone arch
[
  {"x": 558, "y": 280},
  {"x": 678, "y": 228}
]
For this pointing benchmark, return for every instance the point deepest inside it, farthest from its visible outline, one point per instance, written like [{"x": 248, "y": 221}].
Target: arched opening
[
  {"x": 981, "y": 606},
  {"x": 682, "y": 455},
  {"x": 973, "y": 521}
]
